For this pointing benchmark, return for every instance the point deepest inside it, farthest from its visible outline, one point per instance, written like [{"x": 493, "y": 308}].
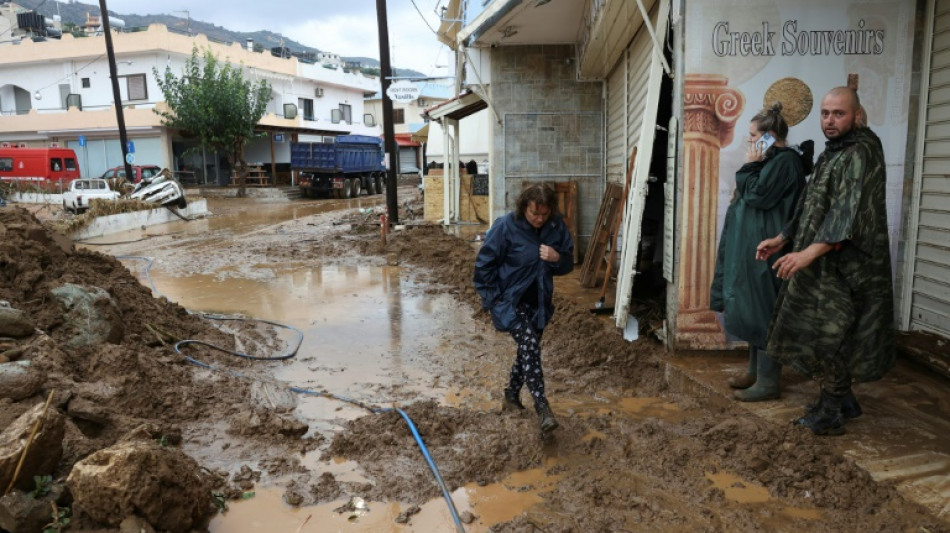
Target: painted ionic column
[{"x": 711, "y": 109}]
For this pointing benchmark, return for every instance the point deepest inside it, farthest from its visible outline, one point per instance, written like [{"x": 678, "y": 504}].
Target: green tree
[{"x": 213, "y": 101}]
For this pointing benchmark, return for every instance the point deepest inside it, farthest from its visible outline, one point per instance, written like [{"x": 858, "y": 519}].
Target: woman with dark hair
[
  {"x": 514, "y": 275},
  {"x": 744, "y": 290}
]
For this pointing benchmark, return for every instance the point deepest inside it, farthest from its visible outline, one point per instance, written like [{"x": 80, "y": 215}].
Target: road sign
[
  {"x": 82, "y": 140},
  {"x": 131, "y": 146},
  {"x": 403, "y": 92},
  {"x": 130, "y": 158}
]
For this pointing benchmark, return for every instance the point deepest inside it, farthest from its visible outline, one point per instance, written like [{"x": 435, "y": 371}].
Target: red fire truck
[{"x": 40, "y": 166}]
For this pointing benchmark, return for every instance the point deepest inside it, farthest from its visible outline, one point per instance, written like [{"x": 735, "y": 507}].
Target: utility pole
[
  {"x": 116, "y": 96},
  {"x": 389, "y": 134}
]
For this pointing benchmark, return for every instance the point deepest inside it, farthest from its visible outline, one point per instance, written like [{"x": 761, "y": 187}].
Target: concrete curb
[{"x": 127, "y": 221}]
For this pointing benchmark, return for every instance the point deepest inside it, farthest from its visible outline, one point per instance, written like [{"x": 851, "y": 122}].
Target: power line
[{"x": 423, "y": 18}]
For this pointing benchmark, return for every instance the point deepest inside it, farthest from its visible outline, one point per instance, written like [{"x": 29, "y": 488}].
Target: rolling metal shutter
[
  {"x": 927, "y": 274},
  {"x": 407, "y": 160}
]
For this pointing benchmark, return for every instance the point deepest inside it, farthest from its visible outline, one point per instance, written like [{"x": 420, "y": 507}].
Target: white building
[{"x": 59, "y": 91}]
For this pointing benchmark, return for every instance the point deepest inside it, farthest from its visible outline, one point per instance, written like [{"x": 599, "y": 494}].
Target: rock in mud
[
  {"x": 44, "y": 452},
  {"x": 23, "y": 512},
  {"x": 14, "y": 323},
  {"x": 20, "y": 380},
  {"x": 91, "y": 314},
  {"x": 88, "y": 410},
  {"x": 162, "y": 485}
]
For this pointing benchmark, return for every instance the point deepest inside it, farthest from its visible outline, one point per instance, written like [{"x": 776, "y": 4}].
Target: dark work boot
[
  {"x": 766, "y": 382},
  {"x": 512, "y": 401},
  {"x": 850, "y": 408},
  {"x": 826, "y": 417},
  {"x": 548, "y": 423},
  {"x": 748, "y": 379}
]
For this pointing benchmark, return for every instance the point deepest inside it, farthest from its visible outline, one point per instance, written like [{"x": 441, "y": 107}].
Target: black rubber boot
[
  {"x": 850, "y": 408},
  {"x": 748, "y": 379},
  {"x": 826, "y": 418},
  {"x": 548, "y": 423},
  {"x": 512, "y": 401},
  {"x": 766, "y": 382}
]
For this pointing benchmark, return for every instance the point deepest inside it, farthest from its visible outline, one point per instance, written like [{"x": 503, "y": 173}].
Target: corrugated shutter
[
  {"x": 616, "y": 120},
  {"x": 930, "y": 281},
  {"x": 407, "y": 160}
]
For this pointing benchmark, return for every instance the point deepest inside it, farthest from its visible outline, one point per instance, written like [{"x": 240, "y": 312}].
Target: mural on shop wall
[{"x": 740, "y": 58}]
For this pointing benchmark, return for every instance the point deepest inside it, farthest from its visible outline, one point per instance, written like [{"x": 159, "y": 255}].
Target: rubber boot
[
  {"x": 512, "y": 401},
  {"x": 747, "y": 380},
  {"x": 826, "y": 419},
  {"x": 850, "y": 408},
  {"x": 766, "y": 387},
  {"x": 547, "y": 421}
]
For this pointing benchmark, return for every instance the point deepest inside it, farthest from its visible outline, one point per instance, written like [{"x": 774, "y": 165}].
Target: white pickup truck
[{"x": 83, "y": 191}]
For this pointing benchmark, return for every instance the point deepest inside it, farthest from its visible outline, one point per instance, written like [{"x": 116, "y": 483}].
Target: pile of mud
[{"x": 127, "y": 384}]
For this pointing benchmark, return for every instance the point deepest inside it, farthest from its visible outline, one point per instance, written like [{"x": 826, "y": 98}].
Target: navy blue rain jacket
[{"x": 509, "y": 262}]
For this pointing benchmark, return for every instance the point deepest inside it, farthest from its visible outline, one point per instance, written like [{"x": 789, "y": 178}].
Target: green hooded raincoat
[{"x": 745, "y": 289}]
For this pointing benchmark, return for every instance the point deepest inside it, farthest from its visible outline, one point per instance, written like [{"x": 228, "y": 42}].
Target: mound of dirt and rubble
[
  {"x": 87, "y": 374},
  {"x": 91, "y": 356}
]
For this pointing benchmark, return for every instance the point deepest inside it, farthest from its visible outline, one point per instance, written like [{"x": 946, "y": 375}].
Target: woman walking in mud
[
  {"x": 514, "y": 275},
  {"x": 768, "y": 186}
]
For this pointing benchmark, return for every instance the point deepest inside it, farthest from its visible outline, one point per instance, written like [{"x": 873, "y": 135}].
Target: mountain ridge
[{"x": 75, "y": 13}]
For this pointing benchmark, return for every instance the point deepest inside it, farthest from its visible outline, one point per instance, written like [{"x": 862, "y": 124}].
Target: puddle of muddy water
[
  {"x": 744, "y": 492},
  {"x": 490, "y": 504}
]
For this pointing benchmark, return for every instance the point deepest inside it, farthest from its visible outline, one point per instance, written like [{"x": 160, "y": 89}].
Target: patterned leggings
[{"x": 527, "y": 366}]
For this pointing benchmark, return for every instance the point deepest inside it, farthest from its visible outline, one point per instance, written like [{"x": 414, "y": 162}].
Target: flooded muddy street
[{"x": 292, "y": 444}]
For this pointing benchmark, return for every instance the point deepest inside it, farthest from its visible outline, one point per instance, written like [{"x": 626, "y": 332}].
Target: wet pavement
[
  {"x": 903, "y": 437},
  {"x": 372, "y": 335}
]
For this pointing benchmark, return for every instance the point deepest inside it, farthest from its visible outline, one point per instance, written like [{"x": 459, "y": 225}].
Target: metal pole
[
  {"x": 389, "y": 135},
  {"x": 123, "y": 139}
]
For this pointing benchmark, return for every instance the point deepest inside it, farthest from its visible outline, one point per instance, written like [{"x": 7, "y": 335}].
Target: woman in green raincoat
[{"x": 744, "y": 290}]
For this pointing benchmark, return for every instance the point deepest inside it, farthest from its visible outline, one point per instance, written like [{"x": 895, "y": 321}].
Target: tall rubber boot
[
  {"x": 766, "y": 382},
  {"x": 747, "y": 380},
  {"x": 547, "y": 421},
  {"x": 512, "y": 401}
]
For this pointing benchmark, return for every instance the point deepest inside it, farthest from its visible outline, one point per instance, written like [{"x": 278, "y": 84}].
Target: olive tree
[{"x": 213, "y": 101}]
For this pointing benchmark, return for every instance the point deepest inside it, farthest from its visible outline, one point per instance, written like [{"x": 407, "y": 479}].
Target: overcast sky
[{"x": 344, "y": 27}]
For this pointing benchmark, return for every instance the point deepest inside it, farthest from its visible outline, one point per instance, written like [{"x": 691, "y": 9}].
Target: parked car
[
  {"x": 81, "y": 192},
  {"x": 138, "y": 171}
]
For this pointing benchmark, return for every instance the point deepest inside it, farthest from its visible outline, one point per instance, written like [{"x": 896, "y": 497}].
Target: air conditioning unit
[{"x": 318, "y": 92}]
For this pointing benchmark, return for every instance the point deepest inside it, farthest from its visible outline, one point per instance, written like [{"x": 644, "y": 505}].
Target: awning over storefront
[
  {"x": 421, "y": 135},
  {"x": 457, "y": 108},
  {"x": 405, "y": 139}
]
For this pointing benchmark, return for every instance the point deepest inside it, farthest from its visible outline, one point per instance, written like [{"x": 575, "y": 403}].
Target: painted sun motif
[{"x": 795, "y": 96}]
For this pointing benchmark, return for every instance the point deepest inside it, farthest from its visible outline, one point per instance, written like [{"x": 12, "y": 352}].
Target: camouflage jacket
[{"x": 840, "y": 310}]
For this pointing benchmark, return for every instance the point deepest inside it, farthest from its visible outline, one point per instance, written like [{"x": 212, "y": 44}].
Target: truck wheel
[
  {"x": 182, "y": 203},
  {"x": 380, "y": 183},
  {"x": 370, "y": 185},
  {"x": 65, "y": 207},
  {"x": 347, "y": 188},
  {"x": 357, "y": 187}
]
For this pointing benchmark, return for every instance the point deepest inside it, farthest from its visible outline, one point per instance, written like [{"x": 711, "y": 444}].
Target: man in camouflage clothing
[{"x": 833, "y": 320}]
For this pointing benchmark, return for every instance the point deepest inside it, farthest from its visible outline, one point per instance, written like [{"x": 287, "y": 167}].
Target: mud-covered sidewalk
[{"x": 633, "y": 452}]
